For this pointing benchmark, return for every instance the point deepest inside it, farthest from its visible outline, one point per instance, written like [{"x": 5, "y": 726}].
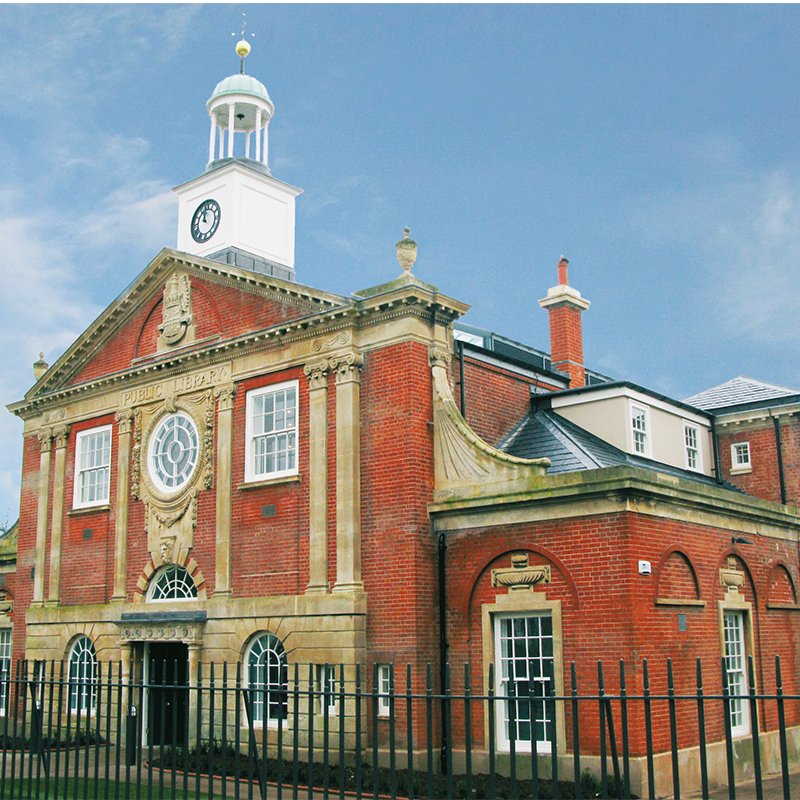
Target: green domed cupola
[{"x": 239, "y": 104}]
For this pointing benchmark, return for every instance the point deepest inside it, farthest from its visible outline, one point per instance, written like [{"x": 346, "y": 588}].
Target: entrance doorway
[{"x": 167, "y": 693}]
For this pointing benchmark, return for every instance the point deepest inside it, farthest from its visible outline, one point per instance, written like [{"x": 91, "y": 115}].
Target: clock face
[
  {"x": 205, "y": 221},
  {"x": 173, "y": 452}
]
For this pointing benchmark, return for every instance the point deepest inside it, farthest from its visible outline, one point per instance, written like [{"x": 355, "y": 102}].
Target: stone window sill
[
  {"x": 76, "y": 512},
  {"x": 679, "y": 601},
  {"x": 268, "y": 482}
]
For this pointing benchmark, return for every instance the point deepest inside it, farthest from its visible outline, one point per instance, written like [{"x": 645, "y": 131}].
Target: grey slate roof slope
[
  {"x": 571, "y": 448},
  {"x": 739, "y": 391}
]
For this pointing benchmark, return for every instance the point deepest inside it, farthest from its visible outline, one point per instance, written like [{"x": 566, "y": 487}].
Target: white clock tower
[{"x": 236, "y": 212}]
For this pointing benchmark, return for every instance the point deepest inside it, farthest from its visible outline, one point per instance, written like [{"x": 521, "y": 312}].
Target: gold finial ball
[{"x": 242, "y": 48}]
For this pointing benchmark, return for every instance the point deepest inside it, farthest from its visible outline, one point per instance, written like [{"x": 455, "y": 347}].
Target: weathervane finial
[{"x": 242, "y": 46}]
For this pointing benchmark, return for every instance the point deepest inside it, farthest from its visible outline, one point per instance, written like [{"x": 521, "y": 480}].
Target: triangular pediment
[{"x": 181, "y": 303}]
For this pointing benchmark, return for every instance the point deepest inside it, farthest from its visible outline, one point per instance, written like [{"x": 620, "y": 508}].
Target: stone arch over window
[
  {"x": 677, "y": 578},
  {"x": 190, "y": 567},
  {"x": 82, "y": 673},
  {"x": 172, "y": 582},
  {"x": 781, "y": 592},
  {"x": 266, "y": 678}
]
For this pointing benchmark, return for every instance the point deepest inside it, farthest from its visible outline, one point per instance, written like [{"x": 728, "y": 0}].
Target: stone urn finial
[
  {"x": 406, "y": 251},
  {"x": 40, "y": 367}
]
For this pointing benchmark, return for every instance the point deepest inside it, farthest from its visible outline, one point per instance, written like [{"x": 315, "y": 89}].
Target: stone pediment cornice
[
  {"x": 415, "y": 299},
  {"x": 150, "y": 283}
]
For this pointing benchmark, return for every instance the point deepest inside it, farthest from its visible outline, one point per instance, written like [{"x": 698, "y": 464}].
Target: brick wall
[
  {"x": 496, "y": 399},
  {"x": 609, "y": 610},
  {"x": 764, "y": 478}
]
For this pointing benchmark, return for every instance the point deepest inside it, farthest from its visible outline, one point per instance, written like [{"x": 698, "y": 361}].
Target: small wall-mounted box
[{"x": 645, "y": 568}]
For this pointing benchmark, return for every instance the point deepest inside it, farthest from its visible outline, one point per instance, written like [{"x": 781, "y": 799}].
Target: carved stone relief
[
  {"x": 520, "y": 577},
  {"x": 170, "y": 519},
  {"x": 148, "y": 632},
  {"x": 337, "y": 340},
  {"x": 177, "y": 319},
  {"x": 731, "y": 577}
]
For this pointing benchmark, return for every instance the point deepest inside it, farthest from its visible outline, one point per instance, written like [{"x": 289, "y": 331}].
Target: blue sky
[{"x": 654, "y": 146}]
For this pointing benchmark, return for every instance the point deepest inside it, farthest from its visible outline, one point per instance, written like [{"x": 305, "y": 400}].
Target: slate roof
[
  {"x": 571, "y": 448},
  {"x": 739, "y": 391}
]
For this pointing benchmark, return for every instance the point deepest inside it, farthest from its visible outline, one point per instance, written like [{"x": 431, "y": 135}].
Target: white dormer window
[
  {"x": 92, "y": 467},
  {"x": 691, "y": 438},
  {"x": 740, "y": 457},
  {"x": 640, "y": 430}
]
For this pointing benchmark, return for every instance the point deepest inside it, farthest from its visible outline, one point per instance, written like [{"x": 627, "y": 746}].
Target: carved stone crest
[{"x": 177, "y": 312}]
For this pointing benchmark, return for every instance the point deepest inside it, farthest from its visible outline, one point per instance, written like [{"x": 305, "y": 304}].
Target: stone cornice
[
  {"x": 407, "y": 301},
  {"x": 608, "y": 490},
  {"x": 149, "y": 283}
]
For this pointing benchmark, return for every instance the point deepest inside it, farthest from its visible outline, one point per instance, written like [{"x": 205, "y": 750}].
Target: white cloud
[
  {"x": 742, "y": 237},
  {"x": 141, "y": 213}
]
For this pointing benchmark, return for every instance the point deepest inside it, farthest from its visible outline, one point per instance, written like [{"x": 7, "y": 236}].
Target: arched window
[
  {"x": 172, "y": 583},
  {"x": 265, "y": 668},
  {"x": 82, "y": 675}
]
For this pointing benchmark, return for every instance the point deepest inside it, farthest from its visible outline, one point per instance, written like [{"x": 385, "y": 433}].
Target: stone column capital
[
  {"x": 46, "y": 439},
  {"x": 317, "y": 374},
  {"x": 60, "y": 434},
  {"x": 124, "y": 418},
  {"x": 439, "y": 357},
  {"x": 225, "y": 396},
  {"x": 347, "y": 367}
]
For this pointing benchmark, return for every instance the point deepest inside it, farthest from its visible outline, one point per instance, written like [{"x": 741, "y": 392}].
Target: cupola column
[
  {"x": 247, "y": 145},
  {"x": 258, "y": 134},
  {"x": 266, "y": 142},
  {"x": 212, "y": 140},
  {"x": 231, "y": 123}
]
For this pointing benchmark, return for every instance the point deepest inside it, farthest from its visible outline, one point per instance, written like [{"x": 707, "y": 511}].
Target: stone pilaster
[
  {"x": 222, "y": 581},
  {"x": 60, "y": 433},
  {"x": 46, "y": 442},
  {"x": 348, "y": 472},
  {"x": 317, "y": 374},
  {"x": 124, "y": 427},
  {"x": 195, "y": 651}
]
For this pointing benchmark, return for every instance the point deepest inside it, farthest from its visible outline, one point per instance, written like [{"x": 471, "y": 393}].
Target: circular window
[{"x": 173, "y": 452}]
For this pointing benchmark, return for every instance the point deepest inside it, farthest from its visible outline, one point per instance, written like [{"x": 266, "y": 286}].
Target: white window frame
[
  {"x": 251, "y": 474},
  {"x": 5, "y": 668},
  {"x": 275, "y": 665},
  {"x": 637, "y": 411},
  {"x": 741, "y": 466},
  {"x": 165, "y": 431},
  {"x": 503, "y": 682},
  {"x": 693, "y": 451},
  {"x": 735, "y": 655},
  {"x": 82, "y": 676},
  {"x": 81, "y": 472},
  {"x": 179, "y": 581},
  {"x": 328, "y": 680},
  {"x": 384, "y": 690}
]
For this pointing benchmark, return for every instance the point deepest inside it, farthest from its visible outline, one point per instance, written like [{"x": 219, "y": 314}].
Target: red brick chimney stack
[{"x": 565, "y": 306}]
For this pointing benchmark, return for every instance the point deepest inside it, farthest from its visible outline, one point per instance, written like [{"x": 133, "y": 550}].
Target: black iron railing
[{"x": 339, "y": 731}]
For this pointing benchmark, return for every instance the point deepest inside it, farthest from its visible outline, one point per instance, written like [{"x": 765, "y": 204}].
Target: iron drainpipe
[
  {"x": 778, "y": 449},
  {"x": 443, "y": 644},
  {"x": 715, "y": 443},
  {"x": 461, "y": 378}
]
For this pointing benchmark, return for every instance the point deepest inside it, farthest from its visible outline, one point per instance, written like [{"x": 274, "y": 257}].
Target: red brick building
[{"x": 231, "y": 466}]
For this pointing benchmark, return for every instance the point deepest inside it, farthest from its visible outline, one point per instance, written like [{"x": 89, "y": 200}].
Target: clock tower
[{"x": 236, "y": 212}]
